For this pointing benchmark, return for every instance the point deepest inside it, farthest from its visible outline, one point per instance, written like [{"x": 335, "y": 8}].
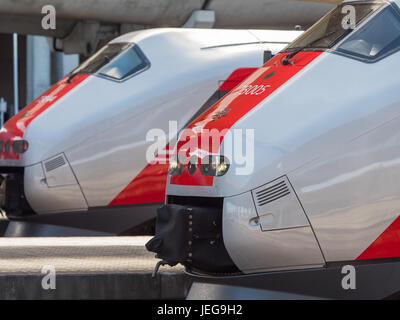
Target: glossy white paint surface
[
  {"x": 254, "y": 250},
  {"x": 353, "y": 194},
  {"x": 47, "y": 199}
]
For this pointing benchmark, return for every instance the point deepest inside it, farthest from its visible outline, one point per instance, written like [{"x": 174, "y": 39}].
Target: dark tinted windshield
[
  {"x": 330, "y": 28},
  {"x": 116, "y": 61},
  {"x": 377, "y": 39}
]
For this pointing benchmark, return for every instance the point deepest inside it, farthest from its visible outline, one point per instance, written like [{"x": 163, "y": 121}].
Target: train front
[
  {"x": 268, "y": 178},
  {"x": 35, "y": 173},
  {"x": 20, "y": 151}
]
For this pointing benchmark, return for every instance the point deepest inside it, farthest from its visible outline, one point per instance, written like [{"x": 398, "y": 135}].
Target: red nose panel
[
  {"x": 223, "y": 115},
  {"x": 235, "y": 78},
  {"x": 14, "y": 128},
  {"x": 149, "y": 185}
]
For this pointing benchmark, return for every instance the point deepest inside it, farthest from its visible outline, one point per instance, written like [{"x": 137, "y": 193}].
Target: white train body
[
  {"x": 84, "y": 140},
  {"x": 324, "y": 184}
]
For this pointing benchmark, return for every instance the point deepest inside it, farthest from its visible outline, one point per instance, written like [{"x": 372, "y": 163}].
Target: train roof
[{"x": 209, "y": 38}]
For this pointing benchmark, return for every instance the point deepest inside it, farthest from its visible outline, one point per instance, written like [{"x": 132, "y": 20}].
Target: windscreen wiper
[
  {"x": 105, "y": 60},
  {"x": 71, "y": 76},
  {"x": 289, "y": 56}
]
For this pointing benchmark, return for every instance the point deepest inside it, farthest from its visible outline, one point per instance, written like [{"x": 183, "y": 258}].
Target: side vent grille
[
  {"x": 54, "y": 163},
  {"x": 272, "y": 193}
]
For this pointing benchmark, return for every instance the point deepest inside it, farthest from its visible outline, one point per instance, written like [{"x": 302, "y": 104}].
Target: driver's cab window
[
  {"x": 115, "y": 61},
  {"x": 125, "y": 65},
  {"x": 377, "y": 39},
  {"x": 329, "y": 30}
]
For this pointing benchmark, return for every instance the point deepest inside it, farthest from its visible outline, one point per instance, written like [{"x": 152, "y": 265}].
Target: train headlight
[
  {"x": 175, "y": 166},
  {"x": 222, "y": 168},
  {"x": 20, "y": 146},
  {"x": 214, "y": 166}
]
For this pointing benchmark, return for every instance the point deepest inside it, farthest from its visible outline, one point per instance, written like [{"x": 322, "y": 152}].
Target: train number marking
[{"x": 255, "y": 90}]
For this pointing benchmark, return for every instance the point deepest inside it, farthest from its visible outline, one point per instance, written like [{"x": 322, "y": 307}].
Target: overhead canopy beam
[
  {"x": 84, "y": 25},
  {"x": 325, "y": 1},
  {"x": 170, "y": 13}
]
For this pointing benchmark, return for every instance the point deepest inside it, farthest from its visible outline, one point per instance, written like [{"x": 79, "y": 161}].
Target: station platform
[{"x": 85, "y": 268}]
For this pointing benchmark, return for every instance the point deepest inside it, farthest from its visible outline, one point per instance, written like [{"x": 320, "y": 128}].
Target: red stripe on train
[
  {"x": 14, "y": 128},
  {"x": 387, "y": 245},
  {"x": 235, "y": 78},
  {"x": 149, "y": 185},
  {"x": 225, "y": 113}
]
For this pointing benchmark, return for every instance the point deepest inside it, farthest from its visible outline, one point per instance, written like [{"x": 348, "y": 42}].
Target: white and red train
[
  {"x": 76, "y": 156},
  {"x": 324, "y": 182}
]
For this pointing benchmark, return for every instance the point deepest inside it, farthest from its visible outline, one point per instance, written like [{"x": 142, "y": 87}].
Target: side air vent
[
  {"x": 54, "y": 163},
  {"x": 269, "y": 194},
  {"x": 278, "y": 206}
]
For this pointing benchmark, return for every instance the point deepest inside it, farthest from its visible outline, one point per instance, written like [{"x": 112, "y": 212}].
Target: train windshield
[
  {"x": 335, "y": 26},
  {"x": 116, "y": 61},
  {"x": 377, "y": 39}
]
